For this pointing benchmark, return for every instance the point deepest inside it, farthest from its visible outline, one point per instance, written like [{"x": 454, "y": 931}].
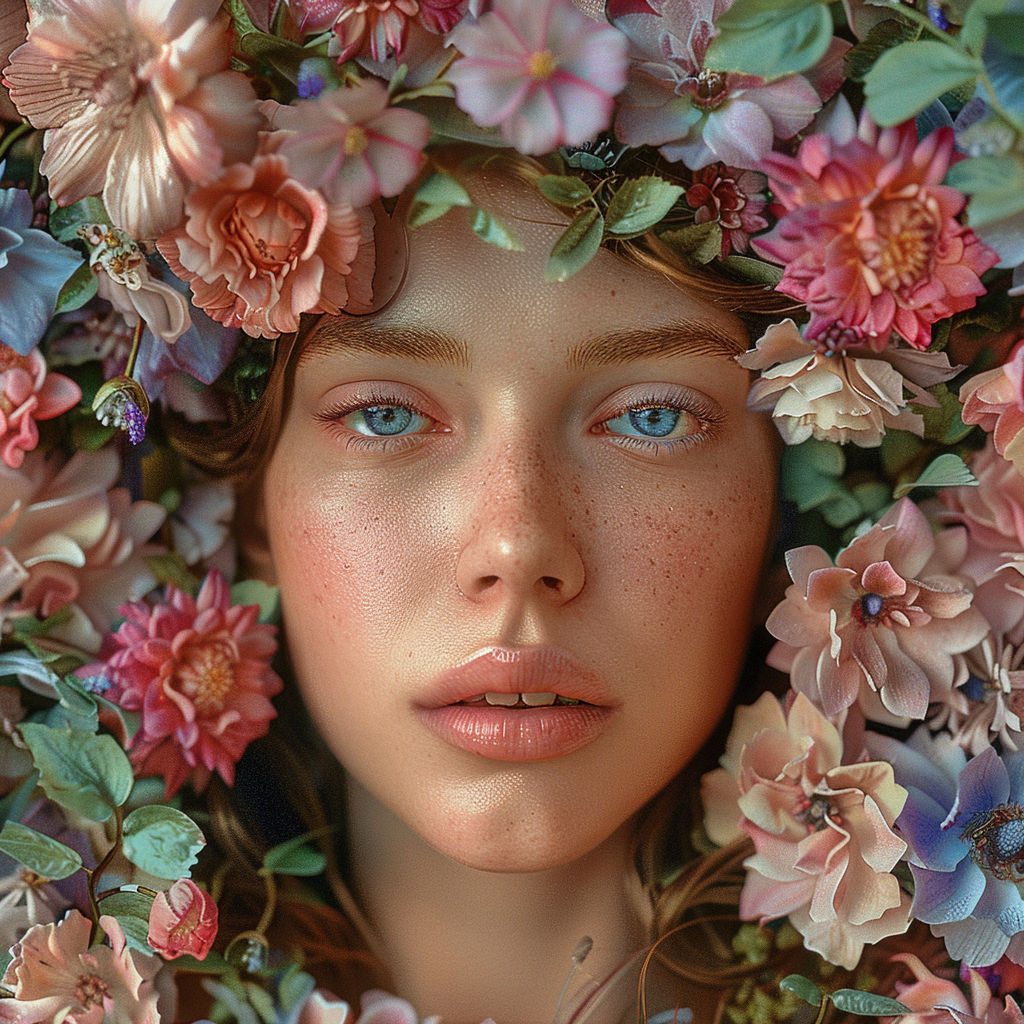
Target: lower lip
[{"x": 518, "y": 734}]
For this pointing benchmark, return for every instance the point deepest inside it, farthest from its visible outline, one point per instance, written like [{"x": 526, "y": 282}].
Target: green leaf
[
  {"x": 756, "y": 271},
  {"x": 803, "y": 988},
  {"x": 576, "y": 246},
  {"x": 861, "y": 58},
  {"x": 170, "y": 568},
  {"x": 424, "y": 213},
  {"x": 281, "y": 55},
  {"x": 39, "y": 853},
  {"x": 258, "y": 592},
  {"x": 162, "y": 841},
  {"x": 294, "y": 857},
  {"x": 88, "y": 774},
  {"x": 905, "y": 79},
  {"x": 698, "y": 242},
  {"x": 943, "y": 423},
  {"x": 65, "y": 220},
  {"x": 866, "y": 1004},
  {"x": 994, "y": 183},
  {"x": 1008, "y": 31},
  {"x": 14, "y": 663},
  {"x": 497, "y": 232},
  {"x": 77, "y": 290},
  {"x": 442, "y": 190},
  {"x": 976, "y": 26},
  {"x": 29, "y": 625},
  {"x": 771, "y": 39},
  {"x": 131, "y": 908},
  {"x": 948, "y": 470},
  {"x": 563, "y": 190},
  {"x": 639, "y": 204},
  {"x": 79, "y": 703}
]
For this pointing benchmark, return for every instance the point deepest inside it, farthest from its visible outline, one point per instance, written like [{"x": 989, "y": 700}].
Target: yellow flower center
[
  {"x": 206, "y": 675},
  {"x": 541, "y": 65},
  {"x": 91, "y": 990},
  {"x": 898, "y": 244},
  {"x": 355, "y": 141}
]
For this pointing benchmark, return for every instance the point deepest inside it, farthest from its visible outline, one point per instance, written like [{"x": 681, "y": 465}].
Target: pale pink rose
[
  {"x": 258, "y": 249},
  {"x": 541, "y": 70},
  {"x": 348, "y": 143},
  {"x": 183, "y": 920},
  {"x": 145, "y": 106},
  {"x": 887, "y": 618},
  {"x": 840, "y": 394},
  {"x": 871, "y": 241},
  {"x": 57, "y": 975},
  {"x": 995, "y": 401},
  {"x": 27, "y": 394},
  {"x": 199, "y": 671},
  {"x": 822, "y": 832}
]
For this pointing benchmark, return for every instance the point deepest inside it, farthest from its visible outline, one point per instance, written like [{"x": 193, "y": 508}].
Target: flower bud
[{"x": 183, "y": 920}]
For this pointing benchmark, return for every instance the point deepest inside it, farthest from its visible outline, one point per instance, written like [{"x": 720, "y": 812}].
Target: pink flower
[
  {"x": 871, "y": 242},
  {"x": 349, "y": 143},
  {"x": 935, "y": 1000},
  {"x": 199, "y": 671},
  {"x": 886, "y": 618},
  {"x": 321, "y": 1007},
  {"x": 140, "y": 105},
  {"x": 732, "y": 198},
  {"x": 259, "y": 249},
  {"x": 840, "y": 394},
  {"x": 995, "y": 401},
  {"x": 541, "y": 70},
  {"x": 27, "y": 394},
  {"x": 57, "y": 975},
  {"x": 183, "y": 920},
  {"x": 822, "y": 831}
]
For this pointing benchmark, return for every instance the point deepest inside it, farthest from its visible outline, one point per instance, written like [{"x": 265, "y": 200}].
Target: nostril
[
  {"x": 487, "y": 581},
  {"x": 551, "y": 582}
]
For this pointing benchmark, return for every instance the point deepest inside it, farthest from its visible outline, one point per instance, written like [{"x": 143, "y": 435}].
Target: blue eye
[
  {"x": 386, "y": 421},
  {"x": 660, "y": 422}
]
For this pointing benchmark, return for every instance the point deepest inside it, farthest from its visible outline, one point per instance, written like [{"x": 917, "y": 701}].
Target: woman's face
[{"x": 505, "y": 487}]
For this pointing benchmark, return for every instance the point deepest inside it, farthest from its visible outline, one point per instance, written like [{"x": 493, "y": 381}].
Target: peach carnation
[
  {"x": 142, "y": 104},
  {"x": 258, "y": 249},
  {"x": 870, "y": 240},
  {"x": 199, "y": 671},
  {"x": 995, "y": 401}
]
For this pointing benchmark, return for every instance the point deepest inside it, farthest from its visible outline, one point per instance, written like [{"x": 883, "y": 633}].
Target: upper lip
[{"x": 496, "y": 669}]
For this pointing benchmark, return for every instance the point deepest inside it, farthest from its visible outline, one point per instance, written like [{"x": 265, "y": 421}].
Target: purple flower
[
  {"x": 33, "y": 269},
  {"x": 541, "y": 70},
  {"x": 964, "y": 823}
]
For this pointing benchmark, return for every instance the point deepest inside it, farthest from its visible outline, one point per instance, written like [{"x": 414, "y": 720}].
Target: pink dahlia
[
  {"x": 199, "y": 671},
  {"x": 995, "y": 401},
  {"x": 870, "y": 241},
  {"x": 541, "y": 69},
  {"x": 259, "y": 248},
  {"x": 349, "y": 144},
  {"x": 138, "y": 103},
  {"x": 57, "y": 975},
  {"x": 885, "y": 619},
  {"x": 822, "y": 831},
  {"x": 27, "y": 394},
  {"x": 732, "y": 198}
]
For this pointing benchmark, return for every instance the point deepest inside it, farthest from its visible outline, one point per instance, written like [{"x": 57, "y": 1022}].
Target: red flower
[
  {"x": 183, "y": 920},
  {"x": 734, "y": 198}
]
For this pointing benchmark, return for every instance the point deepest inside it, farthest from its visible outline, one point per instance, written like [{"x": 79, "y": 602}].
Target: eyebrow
[{"x": 691, "y": 337}]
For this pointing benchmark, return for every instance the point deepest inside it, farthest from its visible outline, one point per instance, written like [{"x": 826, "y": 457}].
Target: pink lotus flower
[
  {"x": 732, "y": 198},
  {"x": 871, "y": 242},
  {"x": 199, "y": 671},
  {"x": 349, "y": 144},
  {"x": 183, "y": 920},
  {"x": 822, "y": 831},
  {"x": 841, "y": 394},
  {"x": 27, "y": 394},
  {"x": 259, "y": 249},
  {"x": 57, "y": 975},
  {"x": 541, "y": 70},
  {"x": 144, "y": 106},
  {"x": 886, "y": 619},
  {"x": 995, "y": 401}
]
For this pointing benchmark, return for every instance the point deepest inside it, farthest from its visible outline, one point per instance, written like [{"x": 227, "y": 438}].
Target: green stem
[
  {"x": 97, "y": 872},
  {"x": 129, "y": 368},
  {"x": 12, "y": 136},
  {"x": 268, "y": 911}
]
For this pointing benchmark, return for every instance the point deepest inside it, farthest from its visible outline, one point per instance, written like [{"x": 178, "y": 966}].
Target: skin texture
[{"x": 518, "y": 515}]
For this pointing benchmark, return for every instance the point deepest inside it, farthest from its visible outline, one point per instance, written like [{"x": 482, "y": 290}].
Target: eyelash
[{"x": 332, "y": 417}]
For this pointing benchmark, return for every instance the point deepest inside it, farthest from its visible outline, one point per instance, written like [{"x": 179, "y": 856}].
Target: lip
[{"x": 518, "y": 734}]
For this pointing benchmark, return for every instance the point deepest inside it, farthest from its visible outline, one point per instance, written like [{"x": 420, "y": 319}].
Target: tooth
[
  {"x": 536, "y": 700},
  {"x": 505, "y": 700},
  {"x": 478, "y": 699}
]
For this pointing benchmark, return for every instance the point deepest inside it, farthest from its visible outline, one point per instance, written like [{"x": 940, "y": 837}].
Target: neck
[{"x": 470, "y": 944}]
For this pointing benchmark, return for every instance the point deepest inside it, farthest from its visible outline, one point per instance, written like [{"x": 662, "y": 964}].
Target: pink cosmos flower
[
  {"x": 183, "y": 920},
  {"x": 871, "y": 242},
  {"x": 540, "y": 69},
  {"x": 850, "y": 393},
  {"x": 885, "y": 619},
  {"x": 348, "y": 143},
  {"x": 995, "y": 401},
  {"x": 693, "y": 113},
  {"x": 732, "y": 198},
  {"x": 57, "y": 975},
  {"x": 27, "y": 394},
  {"x": 199, "y": 671},
  {"x": 822, "y": 831},
  {"x": 145, "y": 104},
  {"x": 258, "y": 249}
]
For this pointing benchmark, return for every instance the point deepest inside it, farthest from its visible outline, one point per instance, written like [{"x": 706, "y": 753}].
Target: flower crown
[{"x": 186, "y": 174}]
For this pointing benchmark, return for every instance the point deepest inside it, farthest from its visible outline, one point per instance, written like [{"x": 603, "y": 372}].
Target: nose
[{"x": 519, "y": 543}]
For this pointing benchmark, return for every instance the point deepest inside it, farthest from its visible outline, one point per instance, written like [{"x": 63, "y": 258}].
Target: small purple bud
[
  {"x": 135, "y": 422},
  {"x": 937, "y": 16}
]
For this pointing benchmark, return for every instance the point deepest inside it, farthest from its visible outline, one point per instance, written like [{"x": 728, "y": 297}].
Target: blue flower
[{"x": 33, "y": 269}]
